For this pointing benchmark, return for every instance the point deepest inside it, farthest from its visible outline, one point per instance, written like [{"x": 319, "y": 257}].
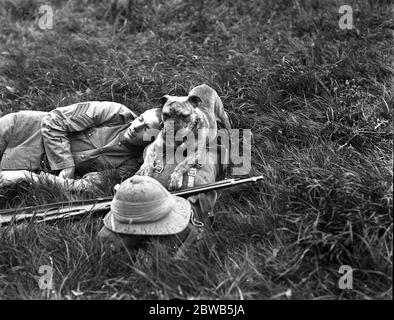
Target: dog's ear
[
  {"x": 194, "y": 100},
  {"x": 163, "y": 100}
]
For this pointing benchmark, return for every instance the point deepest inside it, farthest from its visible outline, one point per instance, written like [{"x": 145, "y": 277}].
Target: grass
[{"x": 318, "y": 99}]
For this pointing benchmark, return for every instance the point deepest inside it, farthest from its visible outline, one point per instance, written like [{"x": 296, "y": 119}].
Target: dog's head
[{"x": 179, "y": 114}]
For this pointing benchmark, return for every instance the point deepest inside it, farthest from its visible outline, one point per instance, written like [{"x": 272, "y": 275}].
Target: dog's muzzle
[{"x": 195, "y": 124}]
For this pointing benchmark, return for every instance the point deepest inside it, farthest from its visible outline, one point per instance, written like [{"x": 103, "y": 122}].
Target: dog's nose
[
  {"x": 166, "y": 114},
  {"x": 169, "y": 113}
]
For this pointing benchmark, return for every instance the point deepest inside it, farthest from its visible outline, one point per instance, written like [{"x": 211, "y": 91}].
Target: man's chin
[{"x": 134, "y": 140}]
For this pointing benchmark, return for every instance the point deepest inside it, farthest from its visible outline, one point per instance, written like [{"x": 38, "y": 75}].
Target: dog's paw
[
  {"x": 175, "y": 182},
  {"x": 145, "y": 171}
]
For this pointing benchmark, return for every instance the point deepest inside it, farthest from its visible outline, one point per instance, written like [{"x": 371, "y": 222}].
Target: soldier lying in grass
[
  {"x": 82, "y": 140},
  {"x": 73, "y": 145}
]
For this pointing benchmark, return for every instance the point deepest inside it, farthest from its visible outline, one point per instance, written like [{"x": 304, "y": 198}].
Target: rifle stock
[{"x": 62, "y": 210}]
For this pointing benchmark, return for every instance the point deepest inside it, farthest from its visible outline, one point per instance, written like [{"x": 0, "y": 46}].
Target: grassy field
[{"x": 318, "y": 99}]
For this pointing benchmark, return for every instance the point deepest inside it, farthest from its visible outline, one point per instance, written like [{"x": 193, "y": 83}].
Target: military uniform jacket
[{"x": 89, "y": 136}]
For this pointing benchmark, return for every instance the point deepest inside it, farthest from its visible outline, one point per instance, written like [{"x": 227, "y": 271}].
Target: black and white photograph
[{"x": 196, "y": 155}]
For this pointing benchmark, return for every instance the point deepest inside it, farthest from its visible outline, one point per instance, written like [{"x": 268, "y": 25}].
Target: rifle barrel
[
  {"x": 214, "y": 186},
  {"x": 60, "y": 210}
]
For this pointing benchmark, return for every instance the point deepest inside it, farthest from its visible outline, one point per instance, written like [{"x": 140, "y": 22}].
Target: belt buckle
[{"x": 159, "y": 169}]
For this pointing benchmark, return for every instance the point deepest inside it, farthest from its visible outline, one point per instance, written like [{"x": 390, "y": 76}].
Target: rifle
[{"x": 67, "y": 209}]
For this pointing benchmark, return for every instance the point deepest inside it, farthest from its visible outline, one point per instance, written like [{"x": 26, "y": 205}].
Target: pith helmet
[{"x": 142, "y": 206}]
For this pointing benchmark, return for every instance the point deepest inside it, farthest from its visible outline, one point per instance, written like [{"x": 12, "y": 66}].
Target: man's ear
[
  {"x": 163, "y": 100},
  {"x": 194, "y": 100}
]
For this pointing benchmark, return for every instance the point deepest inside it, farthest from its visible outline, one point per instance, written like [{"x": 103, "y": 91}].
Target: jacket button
[
  {"x": 82, "y": 156},
  {"x": 89, "y": 134},
  {"x": 119, "y": 143}
]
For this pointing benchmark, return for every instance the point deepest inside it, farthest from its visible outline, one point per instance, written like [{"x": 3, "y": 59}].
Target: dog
[{"x": 195, "y": 115}]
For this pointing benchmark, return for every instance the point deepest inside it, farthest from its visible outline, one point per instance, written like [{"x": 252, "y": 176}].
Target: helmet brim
[{"x": 174, "y": 222}]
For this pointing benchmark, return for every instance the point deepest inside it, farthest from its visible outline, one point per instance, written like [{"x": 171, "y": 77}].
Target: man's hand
[
  {"x": 67, "y": 173},
  {"x": 8, "y": 178}
]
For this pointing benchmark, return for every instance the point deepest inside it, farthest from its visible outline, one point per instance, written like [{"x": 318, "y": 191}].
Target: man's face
[{"x": 144, "y": 127}]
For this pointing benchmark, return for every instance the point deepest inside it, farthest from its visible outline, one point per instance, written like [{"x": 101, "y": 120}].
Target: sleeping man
[{"x": 74, "y": 145}]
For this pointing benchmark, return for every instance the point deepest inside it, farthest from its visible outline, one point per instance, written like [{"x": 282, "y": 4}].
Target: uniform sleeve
[
  {"x": 7, "y": 125},
  {"x": 60, "y": 122}
]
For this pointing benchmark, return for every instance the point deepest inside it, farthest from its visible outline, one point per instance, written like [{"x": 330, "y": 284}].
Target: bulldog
[{"x": 189, "y": 123}]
